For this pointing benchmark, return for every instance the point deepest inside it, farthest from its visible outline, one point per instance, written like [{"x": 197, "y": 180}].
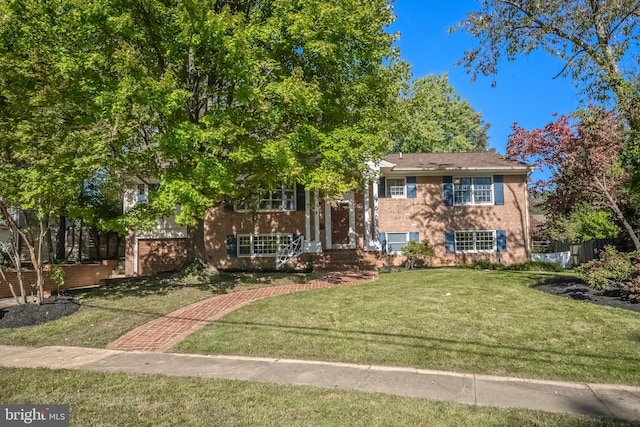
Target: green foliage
[
  {"x": 415, "y": 252},
  {"x": 525, "y": 266},
  {"x": 612, "y": 268},
  {"x": 553, "y": 267},
  {"x": 431, "y": 117},
  {"x": 218, "y": 100},
  {"x": 58, "y": 276},
  {"x": 584, "y": 224},
  {"x": 52, "y": 139}
]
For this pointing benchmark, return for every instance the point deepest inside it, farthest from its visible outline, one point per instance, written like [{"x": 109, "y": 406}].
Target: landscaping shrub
[
  {"x": 612, "y": 269},
  {"x": 553, "y": 267},
  {"x": 525, "y": 266},
  {"x": 415, "y": 252},
  {"x": 486, "y": 265}
]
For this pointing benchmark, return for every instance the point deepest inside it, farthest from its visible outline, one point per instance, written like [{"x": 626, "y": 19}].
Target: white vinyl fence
[{"x": 562, "y": 258}]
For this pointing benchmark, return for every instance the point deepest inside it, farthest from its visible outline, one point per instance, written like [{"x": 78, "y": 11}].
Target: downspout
[
  {"x": 527, "y": 235},
  {"x": 135, "y": 255}
]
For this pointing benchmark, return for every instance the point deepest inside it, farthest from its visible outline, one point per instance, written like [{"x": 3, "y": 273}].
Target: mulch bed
[
  {"x": 51, "y": 308},
  {"x": 578, "y": 290}
]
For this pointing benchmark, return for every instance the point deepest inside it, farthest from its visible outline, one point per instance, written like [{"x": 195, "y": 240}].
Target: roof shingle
[{"x": 454, "y": 161}]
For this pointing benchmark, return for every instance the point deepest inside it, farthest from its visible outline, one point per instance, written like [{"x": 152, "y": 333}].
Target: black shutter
[
  {"x": 300, "y": 197},
  {"x": 382, "y": 187},
  {"x": 232, "y": 245}
]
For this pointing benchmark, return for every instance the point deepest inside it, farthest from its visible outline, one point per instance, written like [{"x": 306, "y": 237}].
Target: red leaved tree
[{"x": 583, "y": 155}]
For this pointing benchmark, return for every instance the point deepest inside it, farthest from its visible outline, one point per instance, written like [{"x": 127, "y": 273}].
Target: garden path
[{"x": 161, "y": 334}]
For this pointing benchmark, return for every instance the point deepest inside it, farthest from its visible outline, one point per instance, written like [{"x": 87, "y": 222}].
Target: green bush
[
  {"x": 613, "y": 268},
  {"x": 525, "y": 266},
  {"x": 536, "y": 266},
  {"x": 415, "y": 252},
  {"x": 485, "y": 265}
]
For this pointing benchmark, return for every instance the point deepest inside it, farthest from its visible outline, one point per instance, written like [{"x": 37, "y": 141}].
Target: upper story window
[
  {"x": 143, "y": 191},
  {"x": 280, "y": 199},
  {"x": 472, "y": 191},
  {"x": 396, "y": 187}
]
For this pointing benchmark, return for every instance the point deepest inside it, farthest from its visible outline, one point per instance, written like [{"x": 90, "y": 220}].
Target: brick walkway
[{"x": 164, "y": 332}]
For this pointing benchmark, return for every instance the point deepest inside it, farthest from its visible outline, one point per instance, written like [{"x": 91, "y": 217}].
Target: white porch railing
[{"x": 289, "y": 251}]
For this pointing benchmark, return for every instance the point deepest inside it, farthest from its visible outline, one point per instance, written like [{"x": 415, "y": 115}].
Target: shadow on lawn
[
  {"x": 163, "y": 283},
  {"x": 438, "y": 344}
]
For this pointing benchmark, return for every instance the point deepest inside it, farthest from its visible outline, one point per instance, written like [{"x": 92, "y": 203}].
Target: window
[
  {"x": 396, "y": 241},
  {"x": 475, "y": 241},
  {"x": 396, "y": 187},
  {"x": 280, "y": 199},
  {"x": 472, "y": 191},
  {"x": 261, "y": 245},
  {"x": 143, "y": 191}
]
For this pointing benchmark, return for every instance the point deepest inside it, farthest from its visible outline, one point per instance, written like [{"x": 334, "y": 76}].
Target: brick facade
[
  {"x": 428, "y": 215},
  {"x": 422, "y": 213}
]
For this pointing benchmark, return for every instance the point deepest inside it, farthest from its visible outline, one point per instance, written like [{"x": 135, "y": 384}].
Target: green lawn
[
  {"x": 98, "y": 399},
  {"x": 492, "y": 322},
  {"x": 109, "y": 312}
]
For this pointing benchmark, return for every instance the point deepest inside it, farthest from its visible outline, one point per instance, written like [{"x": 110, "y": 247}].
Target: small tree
[
  {"x": 415, "y": 252},
  {"x": 584, "y": 157},
  {"x": 584, "y": 224}
]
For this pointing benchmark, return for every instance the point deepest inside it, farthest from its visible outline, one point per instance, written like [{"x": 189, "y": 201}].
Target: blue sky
[{"x": 526, "y": 91}]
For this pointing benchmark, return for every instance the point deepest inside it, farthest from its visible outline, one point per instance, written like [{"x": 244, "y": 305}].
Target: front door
[{"x": 340, "y": 224}]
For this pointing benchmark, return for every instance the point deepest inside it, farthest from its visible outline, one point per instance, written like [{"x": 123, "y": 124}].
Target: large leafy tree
[
  {"x": 584, "y": 159},
  {"x": 50, "y": 139},
  {"x": 432, "y": 117},
  {"x": 596, "y": 40},
  {"x": 218, "y": 98}
]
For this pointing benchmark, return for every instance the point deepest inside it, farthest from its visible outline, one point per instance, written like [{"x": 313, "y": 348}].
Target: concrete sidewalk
[{"x": 616, "y": 401}]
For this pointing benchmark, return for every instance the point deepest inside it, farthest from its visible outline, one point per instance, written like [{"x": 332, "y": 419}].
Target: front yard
[{"x": 448, "y": 319}]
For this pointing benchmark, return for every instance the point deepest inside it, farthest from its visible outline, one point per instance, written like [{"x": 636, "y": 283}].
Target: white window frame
[
  {"x": 288, "y": 204},
  {"x": 406, "y": 241},
  {"x": 390, "y": 188},
  {"x": 254, "y": 244},
  {"x": 473, "y": 191},
  {"x": 475, "y": 241}
]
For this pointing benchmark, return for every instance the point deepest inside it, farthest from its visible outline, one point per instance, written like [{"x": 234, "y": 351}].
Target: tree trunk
[
  {"x": 195, "y": 249},
  {"x": 614, "y": 206}
]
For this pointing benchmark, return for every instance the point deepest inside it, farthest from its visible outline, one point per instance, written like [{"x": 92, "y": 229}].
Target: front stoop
[{"x": 346, "y": 260}]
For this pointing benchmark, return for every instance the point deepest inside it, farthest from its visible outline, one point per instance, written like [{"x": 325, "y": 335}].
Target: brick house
[{"x": 469, "y": 205}]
